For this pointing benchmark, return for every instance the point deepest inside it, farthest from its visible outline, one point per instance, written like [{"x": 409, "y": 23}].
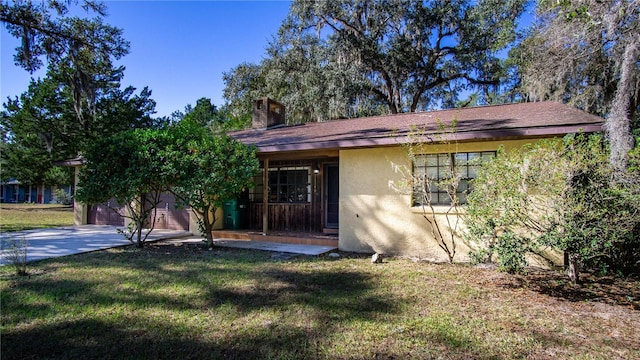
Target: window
[
  {"x": 434, "y": 170},
  {"x": 286, "y": 184}
]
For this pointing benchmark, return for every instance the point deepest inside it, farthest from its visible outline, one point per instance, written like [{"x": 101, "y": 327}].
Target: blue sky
[{"x": 179, "y": 49}]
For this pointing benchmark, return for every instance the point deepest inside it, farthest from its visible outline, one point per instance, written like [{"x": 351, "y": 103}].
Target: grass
[
  {"x": 172, "y": 301},
  {"x": 17, "y": 217}
]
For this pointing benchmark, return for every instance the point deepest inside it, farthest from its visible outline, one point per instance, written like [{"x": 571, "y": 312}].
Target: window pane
[
  {"x": 273, "y": 193},
  {"x": 437, "y": 168},
  {"x": 443, "y": 198},
  {"x": 463, "y": 186},
  {"x": 463, "y": 171},
  {"x": 444, "y": 160},
  {"x": 432, "y": 160},
  {"x": 488, "y": 155},
  {"x": 473, "y": 172},
  {"x": 460, "y": 159}
]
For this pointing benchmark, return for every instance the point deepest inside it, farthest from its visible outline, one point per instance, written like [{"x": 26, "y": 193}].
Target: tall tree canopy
[
  {"x": 80, "y": 50},
  {"x": 80, "y": 100},
  {"x": 587, "y": 53},
  {"x": 349, "y": 58},
  {"x": 40, "y": 126}
]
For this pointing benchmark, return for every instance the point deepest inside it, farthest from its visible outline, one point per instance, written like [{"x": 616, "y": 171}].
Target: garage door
[
  {"x": 166, "y": 215},
  {"x": 109, "y": 213}
]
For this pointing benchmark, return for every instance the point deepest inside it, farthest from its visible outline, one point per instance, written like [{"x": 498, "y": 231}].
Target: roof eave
[{"x": 482, "y": 135}]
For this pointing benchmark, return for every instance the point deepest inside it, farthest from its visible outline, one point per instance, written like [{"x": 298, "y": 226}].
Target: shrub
[
  {"x": 560, "y": 194},
  {"x": 509, "y": 207},
  {"x": 17, "y": 255},
  {"x": 62, "y": 197},
  {"x": 510, "y": 250}
]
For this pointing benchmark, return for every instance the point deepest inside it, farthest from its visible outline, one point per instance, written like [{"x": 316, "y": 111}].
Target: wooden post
[
  {"x": 265, "y": 197},
  {"x": 80, "y": 210}
]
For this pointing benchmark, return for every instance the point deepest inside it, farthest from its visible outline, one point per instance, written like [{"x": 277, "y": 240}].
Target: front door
[{"x": 332, "y": 196}]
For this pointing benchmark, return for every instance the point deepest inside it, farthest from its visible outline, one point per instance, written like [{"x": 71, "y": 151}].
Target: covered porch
[{"x": 295, "y": 200}]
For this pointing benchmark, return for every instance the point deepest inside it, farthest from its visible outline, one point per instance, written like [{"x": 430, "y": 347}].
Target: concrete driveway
[{"x": 49, "y": 243}]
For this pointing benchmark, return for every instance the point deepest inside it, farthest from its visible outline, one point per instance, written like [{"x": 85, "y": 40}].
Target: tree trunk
[
  {"x": 140, "y": 221},
  {"x": 207, "y": 226},
  {"x": 207, "y": 232},
  {"x": 618, "y": 124},
  {"x": 573, "y": 269},
  {"x": 139, "y": 243}
]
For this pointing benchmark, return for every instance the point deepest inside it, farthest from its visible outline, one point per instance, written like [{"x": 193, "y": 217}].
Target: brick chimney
[{"x": 267, "y": 113}]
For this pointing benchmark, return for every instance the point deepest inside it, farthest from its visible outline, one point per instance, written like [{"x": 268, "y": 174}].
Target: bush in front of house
[
  {"x": 63, "y": 197},
  {"x": 558, "y": 194}
]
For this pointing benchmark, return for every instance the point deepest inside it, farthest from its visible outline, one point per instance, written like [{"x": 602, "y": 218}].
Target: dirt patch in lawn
[{"x": 619, "y": 291}]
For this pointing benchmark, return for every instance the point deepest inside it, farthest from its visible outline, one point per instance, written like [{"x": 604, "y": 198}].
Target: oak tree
[
  {"x": 587, "y": 53},
  {"x": 335, "y": 59},
  {"x": 81, "y": 50}
]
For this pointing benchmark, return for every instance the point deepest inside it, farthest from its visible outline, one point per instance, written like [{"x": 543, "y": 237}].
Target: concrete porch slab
[
  {"x": 313, "y": 250},
  {"x": 278, "y": 247}
]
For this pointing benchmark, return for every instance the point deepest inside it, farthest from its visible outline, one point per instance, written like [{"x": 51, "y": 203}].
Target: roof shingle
[{"x": 473, "y": 124}]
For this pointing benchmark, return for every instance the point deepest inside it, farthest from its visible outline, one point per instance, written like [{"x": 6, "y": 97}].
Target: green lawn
[
  {"x": 178, "y": 302},
  {"x": 16, "y": 217}
]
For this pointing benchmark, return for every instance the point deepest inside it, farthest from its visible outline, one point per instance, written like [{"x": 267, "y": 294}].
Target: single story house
[
  {"x": 337, "y": 177},
  {"x": 333, "y": 183},
  {"x": 13, "y": 191}
]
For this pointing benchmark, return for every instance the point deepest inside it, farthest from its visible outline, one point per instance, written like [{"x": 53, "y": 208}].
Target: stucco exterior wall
[
  {"x": 374, "y": 217},
  {"x": 193, "y": 222}
]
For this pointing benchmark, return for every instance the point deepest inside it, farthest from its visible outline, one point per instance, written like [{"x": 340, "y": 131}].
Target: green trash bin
[{"x": 231, "y": 214}]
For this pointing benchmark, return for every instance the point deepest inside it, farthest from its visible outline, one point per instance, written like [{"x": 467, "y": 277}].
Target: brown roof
[
  {"x": 540, "y": 119},
  {"x": 77, "y": 161}
]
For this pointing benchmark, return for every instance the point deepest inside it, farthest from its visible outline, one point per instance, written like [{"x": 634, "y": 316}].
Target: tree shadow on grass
[
  {"x": 93, "y": 339},
  {"x": 252, "y": 285},
  {"x": 338, "y": 296},
  {"x": 262, "y": 309},
  {"x": 606, "y": 289}
]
